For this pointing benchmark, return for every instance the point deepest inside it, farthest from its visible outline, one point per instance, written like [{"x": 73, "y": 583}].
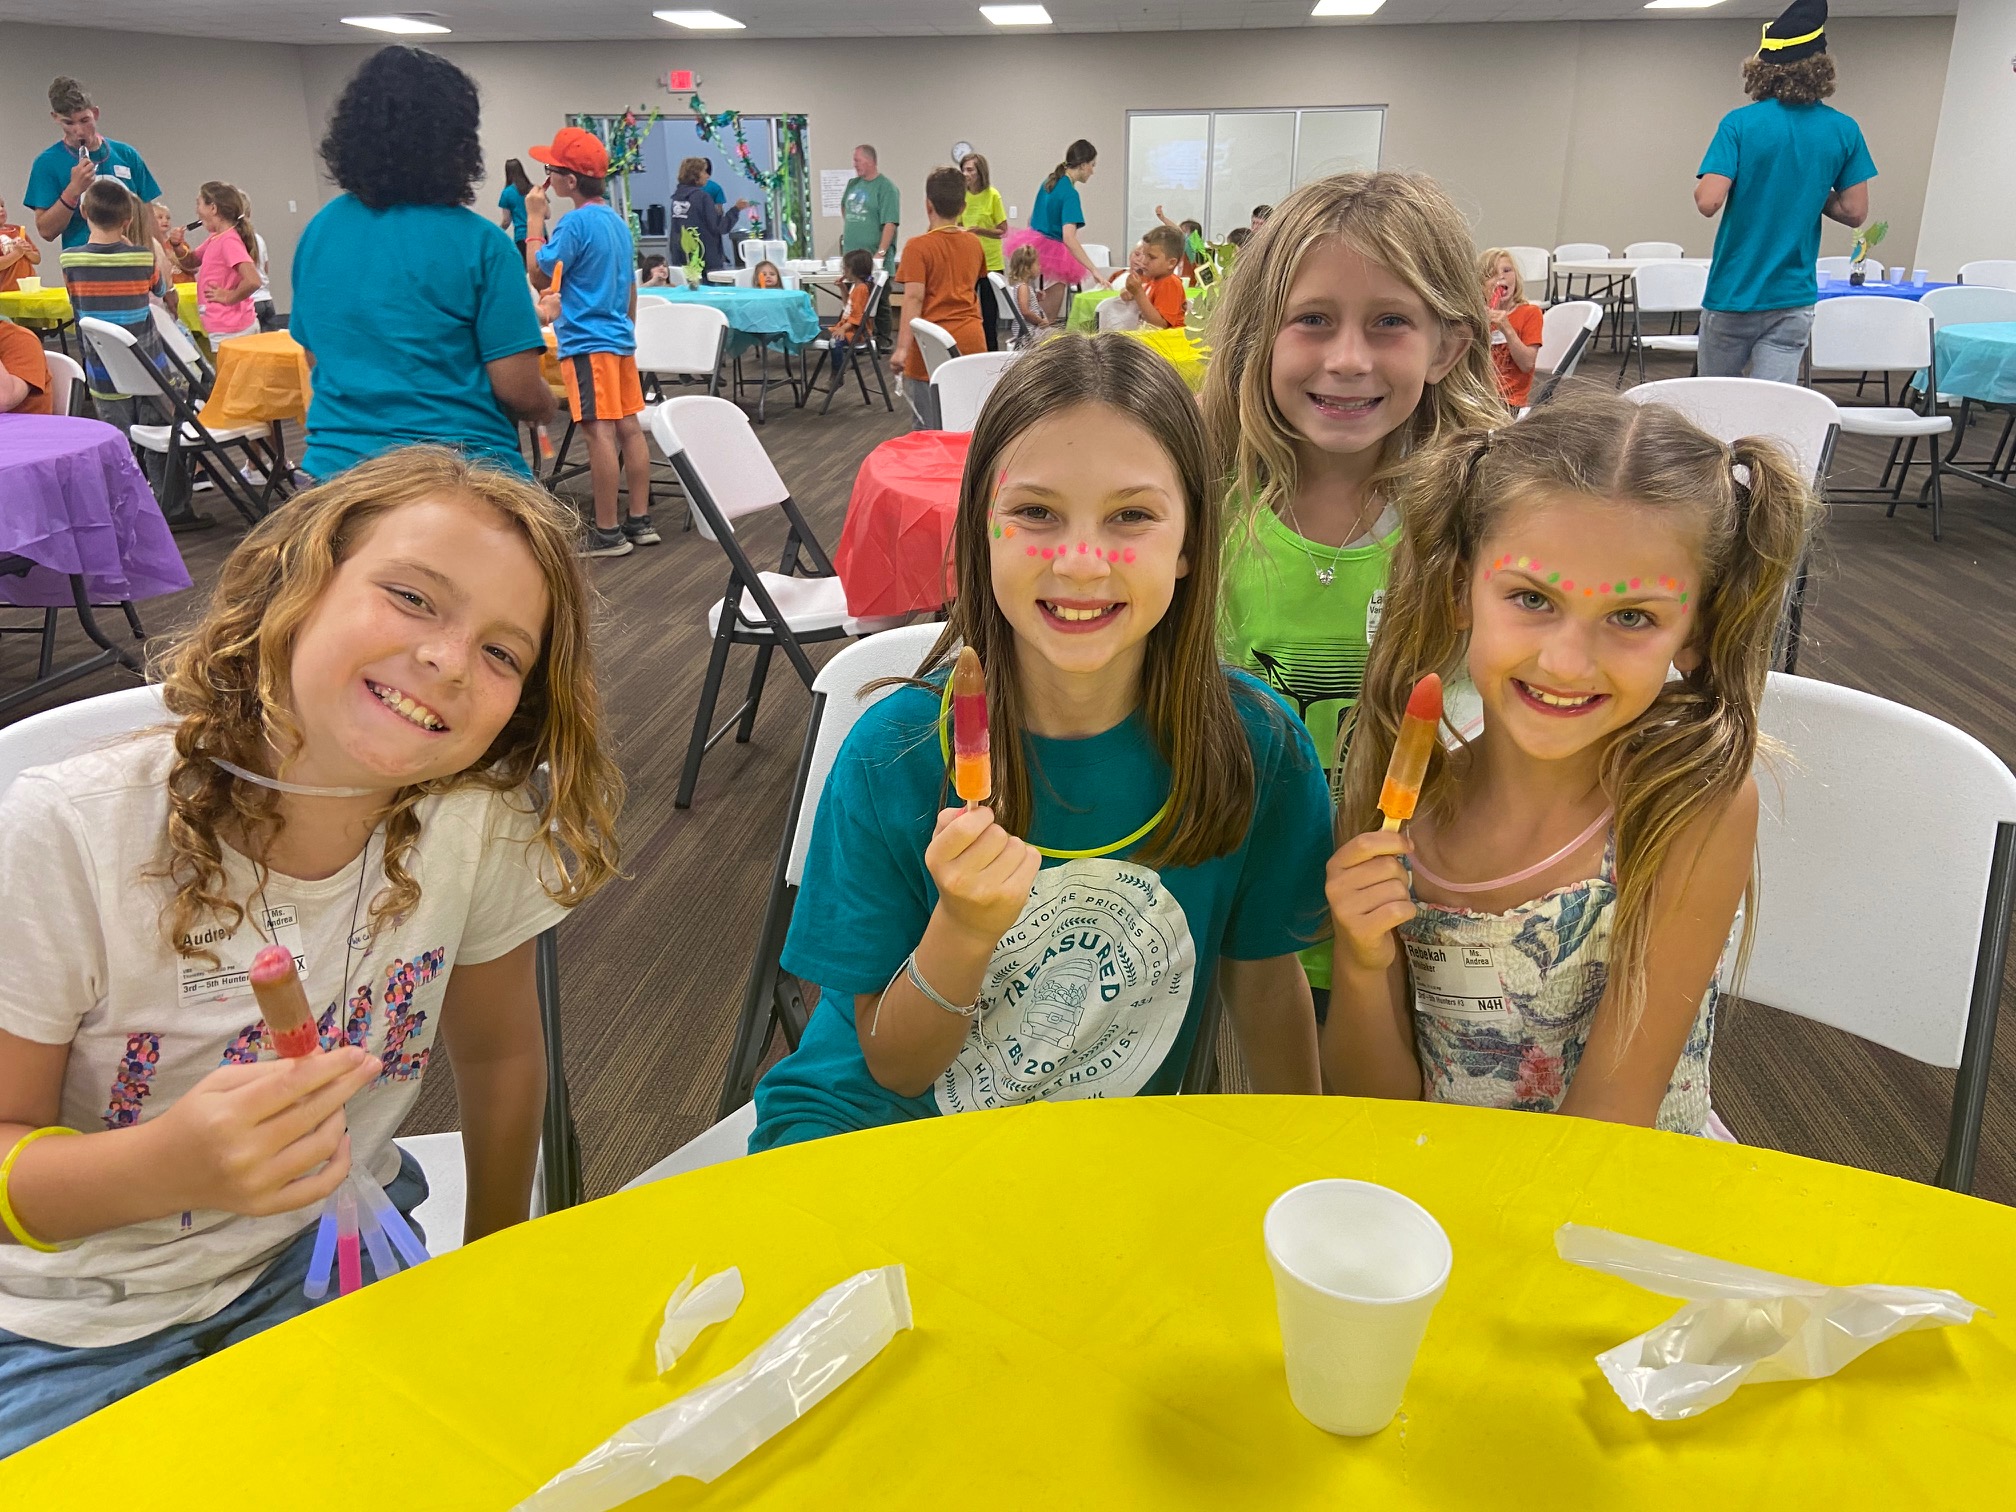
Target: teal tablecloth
[
  {"x": 1979, "y": 361},
  {"x": 752, "y": 313}
]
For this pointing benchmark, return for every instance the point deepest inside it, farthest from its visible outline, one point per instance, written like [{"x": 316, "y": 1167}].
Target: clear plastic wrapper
[
  {"x": 712, "y": 1428},
  {"x": 1740, "y": 1326},
  {"x": 692, "y": 1308}
]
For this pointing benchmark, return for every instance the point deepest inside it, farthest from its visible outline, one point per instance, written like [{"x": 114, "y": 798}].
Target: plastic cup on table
[
  {"x": 30, "y": 284},
  {"x": 1921, "y": 276},
  {"x": 1826, "y": 280},
  {"x": 1358, "y": 1270}
]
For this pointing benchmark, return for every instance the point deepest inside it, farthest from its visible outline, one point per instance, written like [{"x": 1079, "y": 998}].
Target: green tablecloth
[{"x": 1084, "y": 313}]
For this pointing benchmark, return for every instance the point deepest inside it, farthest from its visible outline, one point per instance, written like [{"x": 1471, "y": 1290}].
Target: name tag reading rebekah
[{"x": 1460, "y": 980}]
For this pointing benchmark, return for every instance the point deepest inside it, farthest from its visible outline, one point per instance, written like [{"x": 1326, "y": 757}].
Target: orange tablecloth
[
  {"x": 260, "y": 379},
  {"x": 895, "y": 553}
]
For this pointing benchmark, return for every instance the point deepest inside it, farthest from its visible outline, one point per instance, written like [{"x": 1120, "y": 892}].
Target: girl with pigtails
[{"x": 1550, "y": 932}]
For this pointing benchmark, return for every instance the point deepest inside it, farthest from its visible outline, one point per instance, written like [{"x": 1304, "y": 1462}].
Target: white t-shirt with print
[{"x": 87, "y": 965}]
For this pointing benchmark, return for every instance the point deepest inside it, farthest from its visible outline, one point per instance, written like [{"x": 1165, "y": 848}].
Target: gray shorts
[{"x": 1768, "y": 342}]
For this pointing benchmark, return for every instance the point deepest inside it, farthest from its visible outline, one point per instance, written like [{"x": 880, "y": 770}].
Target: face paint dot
[
  {"x": 1569, "y": 585},
  {"x": 1604, "y": 589},
  {"x": 1683, "y": 598},
  {"x": 1525, "y": 561},
  {"x": 1047, "y": 553},
  {"x": 1553, "y": 577},
  {"x": 1128, "y": 554},
  {"x": 1081, "y": 548},
  {"x": 1009, "y": 531},
  {"x": 1487, "y": 574},
  {"x": 1588, "y": 593},
  {"x": 1635, "y": 582}
]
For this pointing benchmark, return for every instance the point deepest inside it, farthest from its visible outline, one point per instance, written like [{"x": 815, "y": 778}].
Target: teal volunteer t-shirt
[
  {"x": 1097, "y": 990},
  {"x": 1057, "y": 207},
  {"x": 49, "y": 180},
  {"x": 1782, "y": 161},
  {"x": 401, "y": 360},
  {"x": 866, "y": 206}
]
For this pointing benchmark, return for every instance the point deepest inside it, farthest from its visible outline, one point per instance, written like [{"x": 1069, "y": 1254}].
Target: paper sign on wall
[{"x": 832, "y": 185}]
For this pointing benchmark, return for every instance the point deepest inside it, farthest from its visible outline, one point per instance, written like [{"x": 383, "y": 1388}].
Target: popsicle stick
[
  {"x": 397, "y": 1229},
  {"x": 321, "y": 1259},
  {"x": 382, "y": 1259},
  {"x": 349, "y": 1262},
  {"x": 1392, "y": 823}
]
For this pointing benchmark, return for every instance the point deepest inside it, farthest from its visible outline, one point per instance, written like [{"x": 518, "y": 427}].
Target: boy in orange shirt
[
  {"x": 1153, "y": 287},
  {"x": 939, "y": 272}
]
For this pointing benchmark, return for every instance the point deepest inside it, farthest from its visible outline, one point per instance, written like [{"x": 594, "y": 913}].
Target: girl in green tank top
[{"x": 1351, "y": 332}]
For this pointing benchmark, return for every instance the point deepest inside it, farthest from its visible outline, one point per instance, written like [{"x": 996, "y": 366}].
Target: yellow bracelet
[{"x": 7, "y": 1208}]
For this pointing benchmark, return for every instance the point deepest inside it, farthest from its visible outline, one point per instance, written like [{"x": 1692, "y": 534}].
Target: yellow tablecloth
[
  {"x": 185, "y": 306},
  {"x": 1096, "y": 1328},
  {"x": 259, "y": 379},
  {"x": 45, "y": 303}
]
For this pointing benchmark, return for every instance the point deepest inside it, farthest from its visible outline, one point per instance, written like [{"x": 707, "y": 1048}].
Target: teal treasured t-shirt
[
  {"x": 1098, "y": 989},
  {"x": 1057, "y": 207},
  {"x": 49, "y": 180},
  {"x": 401, "y": 360},
  {"x": 1782, "y": 161}
]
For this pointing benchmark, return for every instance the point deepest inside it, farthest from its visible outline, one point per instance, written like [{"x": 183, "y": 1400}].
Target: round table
[
  {"x": 260, "y": 380},
  {"x": 51, "y": 302},
  {"x": 1840, "y": 288},
  {"x": 1083, "y": 315},
  {"x": 1978, "y": 361},
  {"x": 774, "y": 313},
  {"x": 1095, "y": 1328},
  {"x": 895, "y": 551}
]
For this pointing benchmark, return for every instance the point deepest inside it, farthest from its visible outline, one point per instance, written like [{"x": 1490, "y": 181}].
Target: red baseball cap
[{"x": 576, "y": 151}]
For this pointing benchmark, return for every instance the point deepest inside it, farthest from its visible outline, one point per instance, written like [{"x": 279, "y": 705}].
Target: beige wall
[
  {"x": 1970, "y": 208},
  {"x": 1543, "y": 133},
  {"x": 196, "y": 111}
]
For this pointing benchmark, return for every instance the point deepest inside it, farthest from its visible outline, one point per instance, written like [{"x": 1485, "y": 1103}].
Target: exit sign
[{"x": 679, "y": 78}]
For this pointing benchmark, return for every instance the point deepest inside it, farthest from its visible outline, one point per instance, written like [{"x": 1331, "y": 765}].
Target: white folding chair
[
  {"x": 183, "y": 346},
  {"x": 1804, "y": 421},
  {"x": 728, "y": 477},
  {"x": 1994, "y": 272},
  {"x": 1535, "y": 265},
  {"x": 1827, "y": 943},
  {"x": 680, "y": 340},
  {"x": 1008, "y": 312},
  {"x": 938, "y": 347},
  {"x": 1833, "y": 267},
  {"x": 851, "y": 353},
  {"x": 1101, "y": 255},
  {"x": 963, "y": 384},
  {"x": 71, "y": 730},
  {"x": 1655, "y": 249},
  {"x": 1566, "y": 329},
  {"x": 774, "y": 999},
  {"x": 1580, "y": 252},
  {"x": 188, "y": 444},
  {"x": 65, "y": 379},
  {"x": 1674, "y": 289},
  {"x": 1875, "y": 333}
]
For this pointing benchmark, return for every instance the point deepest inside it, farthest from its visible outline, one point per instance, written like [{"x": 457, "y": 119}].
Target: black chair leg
[
  {"x": 560, "y": 1142},
  {"x": 560, "y": 456},
  {"x": 1938, "y": 493},
  {"x": 839, "y": 377},
  {"x": 710, "y": 691},
  {"x": 757, "y": 676}
]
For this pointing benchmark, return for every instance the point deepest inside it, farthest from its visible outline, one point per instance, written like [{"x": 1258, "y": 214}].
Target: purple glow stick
[
  {"x": 322, "y": 1258},
  {"x": 382, "y": 1260},
  {"x": 397, "y": 1229}
]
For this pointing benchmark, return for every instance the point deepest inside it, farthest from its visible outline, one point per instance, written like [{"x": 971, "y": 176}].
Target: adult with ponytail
[
  {"x": 1551, "y": 930},
  {"x": 1057, "y": 217}
]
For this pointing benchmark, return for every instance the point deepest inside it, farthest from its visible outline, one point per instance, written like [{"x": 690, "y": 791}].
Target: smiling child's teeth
[
  {"x": 1560, "y": 703},
  {"x": 1078, "y": 614},
  {"x": 400, "y": 704}
]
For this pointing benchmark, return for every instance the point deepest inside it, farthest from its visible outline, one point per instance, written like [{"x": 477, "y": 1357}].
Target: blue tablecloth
[
  {"x": 785, "y": 313},
  {"x": 73, "y": 500},
  {"x": 1978, "y": 361},
  {"x": 1840, "y": 288}
]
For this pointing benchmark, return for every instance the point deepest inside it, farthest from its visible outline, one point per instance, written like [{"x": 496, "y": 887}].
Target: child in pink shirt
[{"x": 226, "y": 275}]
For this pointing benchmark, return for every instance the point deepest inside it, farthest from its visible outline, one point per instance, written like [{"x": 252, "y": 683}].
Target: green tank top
[{"x": 1300, "y": 616}]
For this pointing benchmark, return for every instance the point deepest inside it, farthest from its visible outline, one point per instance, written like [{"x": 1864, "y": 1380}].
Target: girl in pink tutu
[{"x": 1056, "y": 218}]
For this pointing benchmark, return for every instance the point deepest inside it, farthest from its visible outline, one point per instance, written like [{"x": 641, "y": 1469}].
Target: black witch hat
[{"x": 1800, "y": 32}]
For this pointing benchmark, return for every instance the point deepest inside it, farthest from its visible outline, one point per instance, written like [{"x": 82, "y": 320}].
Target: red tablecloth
[{"x": 895, "y": 554}]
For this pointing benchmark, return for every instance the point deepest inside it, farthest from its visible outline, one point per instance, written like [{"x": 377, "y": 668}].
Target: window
[{"x": 1215, "y": 166}]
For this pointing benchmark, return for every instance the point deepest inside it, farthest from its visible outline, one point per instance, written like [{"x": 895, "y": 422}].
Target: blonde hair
[
  {"x": 226, "y": 678},
  {"x": 1187, "y": 699},
  {"x": 1487, "y": 263},
  {"x": 1406, "y": 224},
  {"x": 1689, "y": 753},
  {"x": 1022, "y": 264},
  {"x": 229, "y": 201}
]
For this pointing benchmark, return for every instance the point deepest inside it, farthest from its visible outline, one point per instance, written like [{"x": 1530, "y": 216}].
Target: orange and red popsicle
[
  {"x": 1404, "y": 773},
  {"x": 277, "y": 986},
  {"x": 972, "y": 765}
]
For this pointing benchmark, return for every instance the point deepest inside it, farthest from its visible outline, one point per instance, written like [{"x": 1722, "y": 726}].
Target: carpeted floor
[{"x": 653, "y": 969}]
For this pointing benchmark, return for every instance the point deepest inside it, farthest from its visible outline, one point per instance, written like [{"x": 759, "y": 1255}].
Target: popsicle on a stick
[
  {"x": 277, "y": 986},
  {"x": 1410, "y": 752},
  {"x": 972, "y": 765}
]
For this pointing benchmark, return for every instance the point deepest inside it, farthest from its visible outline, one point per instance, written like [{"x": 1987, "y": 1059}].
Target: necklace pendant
[{"x": 1326, "y": 575}]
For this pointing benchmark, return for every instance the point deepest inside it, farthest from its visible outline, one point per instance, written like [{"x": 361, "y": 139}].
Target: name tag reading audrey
[
  {"x": 230, "y": 977},
  {"x": 1458, "y": 980}
]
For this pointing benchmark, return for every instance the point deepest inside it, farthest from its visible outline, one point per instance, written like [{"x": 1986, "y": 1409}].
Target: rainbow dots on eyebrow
[{"x": 1555, "y": 577}]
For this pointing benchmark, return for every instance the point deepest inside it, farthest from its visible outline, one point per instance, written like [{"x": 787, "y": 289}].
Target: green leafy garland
[
  {"x": 625, "y": 140},
  {"x": 786, "y": 182}
]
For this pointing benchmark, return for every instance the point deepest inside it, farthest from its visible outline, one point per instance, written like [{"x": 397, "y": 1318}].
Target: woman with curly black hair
[{"x": 445, "y": 347}]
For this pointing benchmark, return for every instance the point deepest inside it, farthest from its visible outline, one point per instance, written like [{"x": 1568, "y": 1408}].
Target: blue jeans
[
  {"x": 44, "y": 1387},
  {"x": 1769, "y": 342}
]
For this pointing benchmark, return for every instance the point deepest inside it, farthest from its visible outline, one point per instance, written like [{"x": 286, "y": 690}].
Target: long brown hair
[
  {"x": 1406, "y": 224},
  {"x": 1077, "y": 155},
  {"x": 226, "y": 678},
  {"x": 230, "y": 202},
  {"x": 1186, "y": 697},
  {"x": 1691, "y": 751}
]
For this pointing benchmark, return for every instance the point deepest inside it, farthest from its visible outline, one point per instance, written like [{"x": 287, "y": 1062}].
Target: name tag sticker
[
  {"x": 231, "y": 977},
  {"x": 1375, "y": 610},
  {"x": 1460, "y": 980},
  {"x": 122, "y": 170}
]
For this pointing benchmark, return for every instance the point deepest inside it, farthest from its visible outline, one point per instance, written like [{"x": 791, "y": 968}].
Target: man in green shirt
[{"x": 870, "y": 208}]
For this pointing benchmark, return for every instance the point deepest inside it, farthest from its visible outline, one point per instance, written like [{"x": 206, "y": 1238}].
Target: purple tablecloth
[{"x": 73, "y": 500}]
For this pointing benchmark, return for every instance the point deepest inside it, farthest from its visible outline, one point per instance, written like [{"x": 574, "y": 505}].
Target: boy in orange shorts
[{"x": 597, "y": 330}]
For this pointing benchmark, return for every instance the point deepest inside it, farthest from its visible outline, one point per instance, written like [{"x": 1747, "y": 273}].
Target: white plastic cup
[
  {"x": 1826, "y": 279},
  {"x": 1921, "y": 277},
  {"x": 29, "y": 284},
  {"x": 1358, "y": 1270}
]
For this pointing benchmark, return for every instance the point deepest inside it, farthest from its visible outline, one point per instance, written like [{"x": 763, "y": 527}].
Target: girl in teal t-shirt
[
  {"x": 1353, "y": 331},
  {"x": 1158, "y": 823}
]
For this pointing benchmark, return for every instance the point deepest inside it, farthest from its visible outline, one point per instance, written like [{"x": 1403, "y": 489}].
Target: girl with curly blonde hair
[{"x": 387, "y": 755}]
